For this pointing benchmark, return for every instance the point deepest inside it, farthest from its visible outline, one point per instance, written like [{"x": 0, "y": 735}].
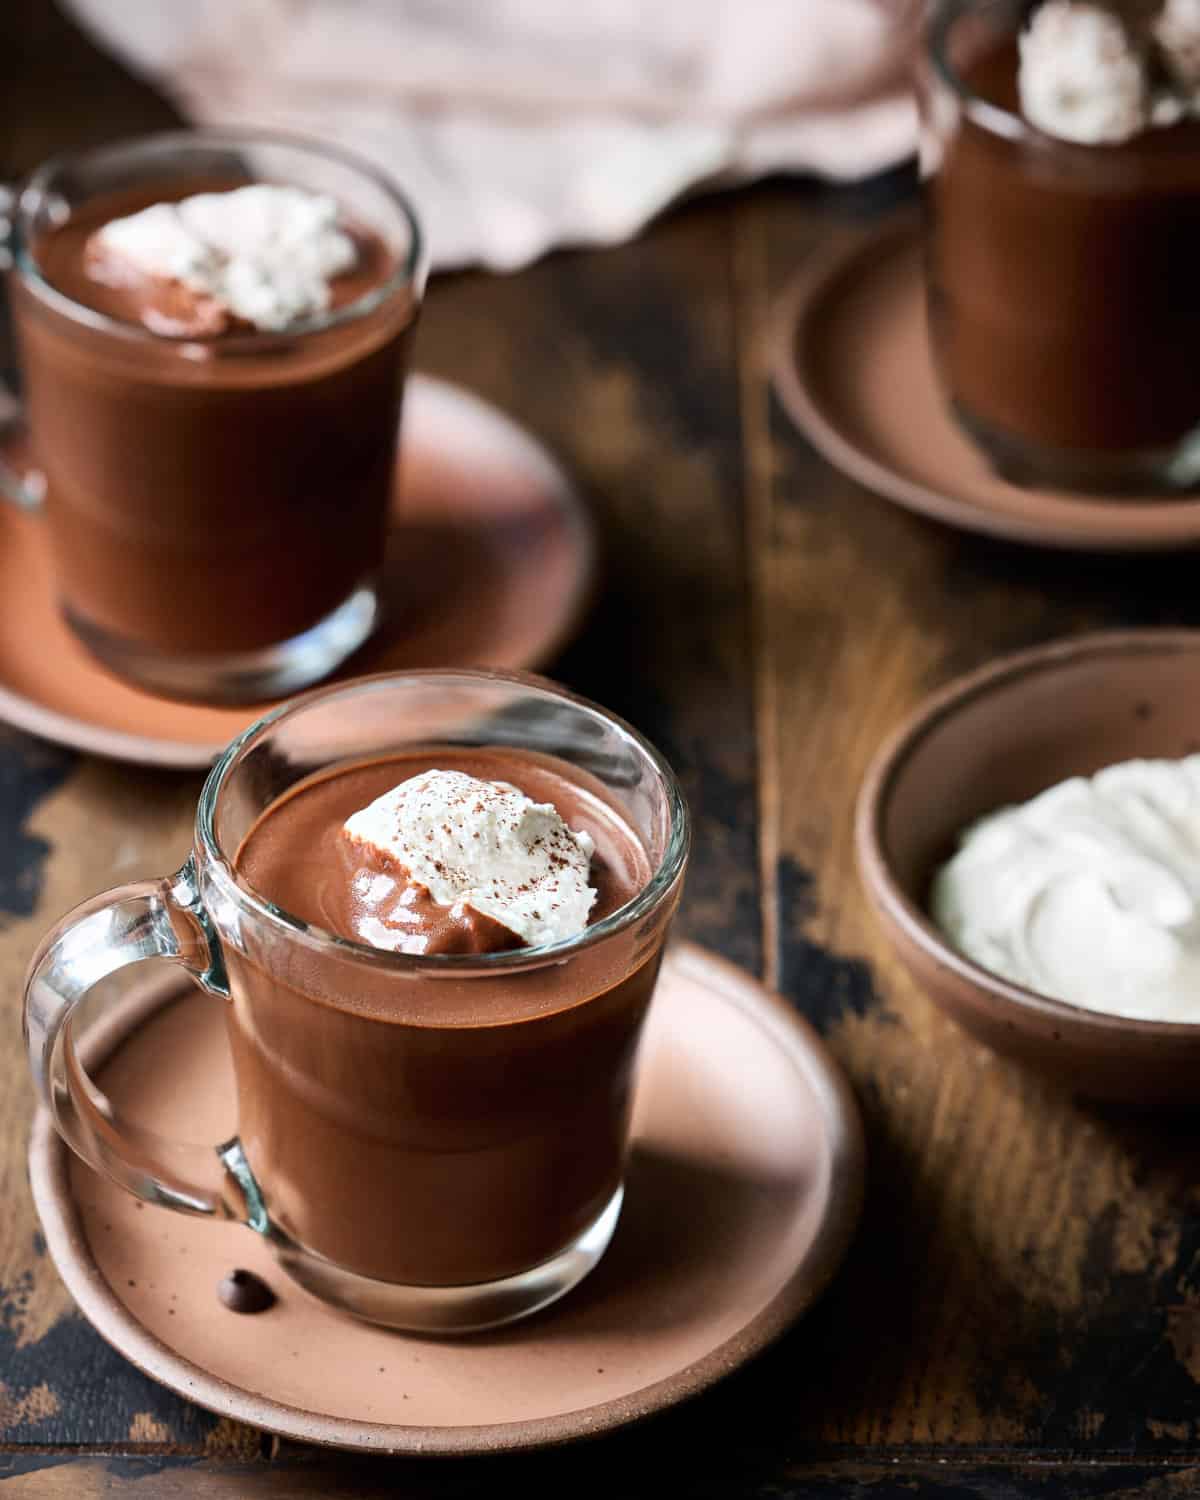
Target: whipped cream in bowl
[
  {"x": 1088, "y": 893},
  {"x": 1074, "y": 764}
]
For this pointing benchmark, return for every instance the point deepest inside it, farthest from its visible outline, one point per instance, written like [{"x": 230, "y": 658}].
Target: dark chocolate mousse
[
  {"x": 1063, "y": 299},
  {"x": 218, "y": 496},
  {"x": 423, "y": 1125}
]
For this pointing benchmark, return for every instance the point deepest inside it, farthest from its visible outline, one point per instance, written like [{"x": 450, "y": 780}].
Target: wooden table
[{"x": 1021, "y": 1313}]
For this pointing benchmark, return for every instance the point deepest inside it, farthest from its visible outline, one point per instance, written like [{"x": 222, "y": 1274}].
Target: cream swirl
[
  {"x": 265, "y": 253},
  {"x": 454, "y": 841},
  {"x": 1089, "y": 893},
  {"x": 1080, "y": 78}
]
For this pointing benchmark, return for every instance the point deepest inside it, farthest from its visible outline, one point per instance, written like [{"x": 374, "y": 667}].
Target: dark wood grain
[
  {"x": 319, "y": 1477},
  {"x": 1021, "y": 1314},
  {"x": 60, "y": 92}
]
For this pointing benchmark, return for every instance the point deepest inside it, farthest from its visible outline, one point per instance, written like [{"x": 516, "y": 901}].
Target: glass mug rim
[
  {"x": 39, "y": 183},
  {"x": 994, "y": 119},
  {"x": 218, "y": 867}
]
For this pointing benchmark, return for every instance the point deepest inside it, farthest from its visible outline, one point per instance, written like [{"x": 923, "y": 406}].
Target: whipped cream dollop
[
  {"x": 1099, "y": 75},
  {"x": 1089, "y": 893},
  {"x": 1176, "y": 30},
  {"x": 264, "y": 254},
  {"x": 482, "y": 844},
  {"x": 1080, "y": 76}
]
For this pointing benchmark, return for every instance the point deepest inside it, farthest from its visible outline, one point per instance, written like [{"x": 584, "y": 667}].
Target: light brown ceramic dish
[
  {"x": 492, "y": 564},
  {"x": 997, "y": 737},
  {"x": 853, "y": 368},
  {"x": 743, "y": 1194}
]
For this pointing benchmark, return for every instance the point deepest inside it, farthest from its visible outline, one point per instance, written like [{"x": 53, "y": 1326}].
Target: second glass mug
[
  {"x": 503, "y": 1139},
  {"x": 216, "y": 506},
  {"x": 1059, "y": 276}
]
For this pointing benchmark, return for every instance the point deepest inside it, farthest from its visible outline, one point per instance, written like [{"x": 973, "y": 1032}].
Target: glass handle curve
[
  {"x": 148, "y": 919},
  {"x": 22, "y": 487}
]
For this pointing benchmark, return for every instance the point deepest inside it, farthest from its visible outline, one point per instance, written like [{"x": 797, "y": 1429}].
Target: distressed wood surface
[
  {"x": 42, "y": 1477},
  {"x": 1021, "y": 1313}
]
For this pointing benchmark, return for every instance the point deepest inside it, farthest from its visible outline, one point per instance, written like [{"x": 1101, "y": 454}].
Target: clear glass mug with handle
[
  {"x": 216, "y": 505},
  {"x": 432, "y": 1143},
  {"x": 1059, "y": 275}
]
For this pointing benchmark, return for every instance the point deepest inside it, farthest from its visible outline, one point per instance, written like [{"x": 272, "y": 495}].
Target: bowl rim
[{"x": 899, "y": 912}]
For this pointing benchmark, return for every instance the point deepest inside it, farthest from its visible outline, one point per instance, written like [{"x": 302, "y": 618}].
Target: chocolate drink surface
[
  {"x": 1062, "y": 279},
  {"x": 211, "y": 495},
  {"x": 433, "y": 1127}
]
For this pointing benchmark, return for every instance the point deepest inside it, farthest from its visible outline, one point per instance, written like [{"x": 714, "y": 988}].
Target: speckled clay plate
[
  {"x": 743, "y": 1193},
  {"x": 488, "y": 517},
  {"x": 853, "y": 367}
]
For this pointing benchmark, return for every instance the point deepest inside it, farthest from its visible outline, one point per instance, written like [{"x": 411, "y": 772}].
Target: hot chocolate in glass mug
[
  {"x": 213, "y": 390},
  {"x": 1060, "y": 153},
  {"x": 433, "y": 1140}
]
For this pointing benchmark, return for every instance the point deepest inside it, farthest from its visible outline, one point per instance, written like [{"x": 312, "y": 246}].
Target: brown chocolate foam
[
  {"x": 419, "y": 924},
  {"x": 163, "y": 304}
]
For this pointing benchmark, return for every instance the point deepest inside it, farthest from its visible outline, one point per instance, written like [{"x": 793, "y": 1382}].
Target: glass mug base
[
  {"x": 441, "y": 1311},
  {"x": 240, "y": 677},
  {"x": 1150, "y": 472}
]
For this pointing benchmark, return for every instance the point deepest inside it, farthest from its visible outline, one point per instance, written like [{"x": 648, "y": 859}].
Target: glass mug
[
  {"x": 1062, "y": 308},
  {"x": 216, "y": 506},
  {"x": 430, "y": 1174}
]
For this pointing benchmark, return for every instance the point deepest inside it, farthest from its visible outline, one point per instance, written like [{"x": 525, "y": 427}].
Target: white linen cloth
[{"x": 517, "y": 125}]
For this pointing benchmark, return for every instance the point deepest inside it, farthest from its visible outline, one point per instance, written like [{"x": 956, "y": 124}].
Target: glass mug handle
[
  {"x": 23, "y": 488},
  {"x": 149, "y": 919}
]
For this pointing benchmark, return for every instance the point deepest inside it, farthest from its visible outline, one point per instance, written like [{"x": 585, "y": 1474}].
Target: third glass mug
[
  {"x": 216, "y": 505},
  {"x": 434, "y": 1143}
]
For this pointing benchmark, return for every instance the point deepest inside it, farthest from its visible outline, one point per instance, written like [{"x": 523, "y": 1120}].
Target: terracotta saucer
[
  {"x": 741, "y": 1202},
  {"x": 487, "y": 517},
  {"x": 853, "y": 368}
]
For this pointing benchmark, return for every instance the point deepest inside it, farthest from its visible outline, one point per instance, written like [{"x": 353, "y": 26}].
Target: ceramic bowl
[{"x": 1000, "y": 736}]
